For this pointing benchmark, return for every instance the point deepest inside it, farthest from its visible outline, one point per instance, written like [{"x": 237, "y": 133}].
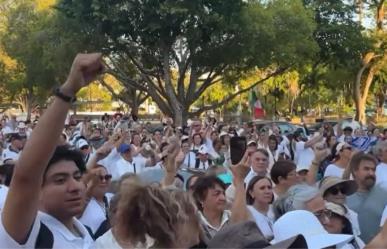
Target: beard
[{"x": 369, "y": 182}]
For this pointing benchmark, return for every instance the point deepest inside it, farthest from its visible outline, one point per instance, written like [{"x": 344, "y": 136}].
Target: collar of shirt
[
  {"x": 225, "y": 217},
  {"x": 12, "y": 149},
  {"x": 60, "y": 228}
]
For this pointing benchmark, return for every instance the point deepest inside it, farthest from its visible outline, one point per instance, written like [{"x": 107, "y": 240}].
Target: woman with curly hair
[{"x": 148, "y": 216}]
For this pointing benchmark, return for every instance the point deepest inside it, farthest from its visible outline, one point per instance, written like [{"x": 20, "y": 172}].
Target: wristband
[{"x": 63, "y": 96}]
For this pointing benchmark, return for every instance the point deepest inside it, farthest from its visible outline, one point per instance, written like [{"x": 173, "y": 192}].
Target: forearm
[
  {"x": 42, "y": 143},
  {"x": 239, "y": 212},
  {"x": 92, "y": 162},
  {"x": 312, "y": 173},
  {"x": 313, "y": 141}
]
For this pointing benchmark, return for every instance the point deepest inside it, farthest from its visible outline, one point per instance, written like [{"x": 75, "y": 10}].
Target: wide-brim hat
[
  {"x": 331, "y": 181},
  {"x": 248, "y": 235},
  {"x": 313, "y": 231}
]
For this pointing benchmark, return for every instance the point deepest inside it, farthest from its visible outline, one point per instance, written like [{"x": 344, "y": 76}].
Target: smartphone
[{"x": 237, "y": 149}]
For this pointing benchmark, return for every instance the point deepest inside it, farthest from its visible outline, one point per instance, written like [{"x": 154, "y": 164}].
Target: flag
[{"x": 256, "y": 105}]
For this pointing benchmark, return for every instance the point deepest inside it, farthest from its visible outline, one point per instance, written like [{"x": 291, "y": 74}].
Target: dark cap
[{"x": 15, "y": 136}]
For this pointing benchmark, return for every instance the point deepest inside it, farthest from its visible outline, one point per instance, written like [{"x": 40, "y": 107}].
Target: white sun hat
[{"x": 306, "y": 223}]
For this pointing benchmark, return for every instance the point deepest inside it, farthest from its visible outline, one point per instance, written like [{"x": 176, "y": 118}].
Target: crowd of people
[{"x": 121, "y": 183}]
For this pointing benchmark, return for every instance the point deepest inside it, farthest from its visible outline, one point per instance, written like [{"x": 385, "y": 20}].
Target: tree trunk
[
  {"x": 134, "y": 110},
  {"x": 178, "y": 117},
  {"x": 360, "y": 111}
]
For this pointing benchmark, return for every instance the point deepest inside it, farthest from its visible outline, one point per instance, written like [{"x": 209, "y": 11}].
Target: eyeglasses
[
  {"x": 323, "y": 214},
  {"x": 105, "y": 177},
  {"x": 347, "y": 148},
  {"x": 86, "y": 147},
  {"x": 336, "y": 190}
]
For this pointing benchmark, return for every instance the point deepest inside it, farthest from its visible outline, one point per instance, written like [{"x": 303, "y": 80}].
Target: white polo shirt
[
  {"x": 122, "y": 167},
  {"x": 95, "y": 213},
  {"x": 62, "y": 237}
]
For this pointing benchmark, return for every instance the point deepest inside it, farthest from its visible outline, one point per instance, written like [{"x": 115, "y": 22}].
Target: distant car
[
  {"x": 315, "y": 127},
  {"x": 285, "y": 127}
]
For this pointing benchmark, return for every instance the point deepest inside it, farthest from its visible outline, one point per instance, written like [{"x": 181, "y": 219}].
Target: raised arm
[
  {"x": 239, "y": 211},
  {"x": 314, "y": 140},
  {"x": 22, "y": 202}
]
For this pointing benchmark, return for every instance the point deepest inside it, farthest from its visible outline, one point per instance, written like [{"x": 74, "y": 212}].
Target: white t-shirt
[
  {"x": 63, "y": 238},
  {"x": 381, "y": 172},
  {"x": 303, "y": 156},
  {"x": 189, "y": 160},
  {"x": 264, "y": 222},
  {"x": 111, "y": 160},
  {"x": 95, "y": 213},
  {"x": 107, "y": 241},
  {"x": 334, "y": 170},
  {"x": 122, "y": 167},
  {"x": 10, "y": 154},
  {"x": 3, "y": 195}
]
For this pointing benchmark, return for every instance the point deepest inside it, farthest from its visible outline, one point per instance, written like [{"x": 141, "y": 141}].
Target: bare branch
[
  {"x": 229, "y": 98},
  {"x": 208, "y": 82}
]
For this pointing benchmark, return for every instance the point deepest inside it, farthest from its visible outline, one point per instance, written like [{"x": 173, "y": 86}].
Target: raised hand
[
  {"x": 240, "y": 170},
  {"x": 85, "y": 69}
]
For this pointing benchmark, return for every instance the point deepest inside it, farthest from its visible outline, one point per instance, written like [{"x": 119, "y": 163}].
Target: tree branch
[
  {"x": 207, "y": 83},
  {"x": 229, "y": 98}
]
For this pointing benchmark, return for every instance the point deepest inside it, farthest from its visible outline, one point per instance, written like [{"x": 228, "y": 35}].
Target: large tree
[
  {"x": 341, "y": 41},
  {"x": 23, "y": 38},
  {"x": 204, "y": 42},
  {"x": 373, "y": 60}
]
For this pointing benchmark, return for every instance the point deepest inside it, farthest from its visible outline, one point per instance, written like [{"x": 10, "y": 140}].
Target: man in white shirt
[
  {"x": 381, "y": 169},
  {"x": 202, "y": 161},
  {"x": 11, "y": 153},
  {"x": 47, "y": 191},
  {"x": 129, "y": 164},
  {"x": 304, "y": 154}
]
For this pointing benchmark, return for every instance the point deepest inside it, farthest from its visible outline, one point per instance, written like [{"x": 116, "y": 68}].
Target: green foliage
[{"x": 23, "y": 40}]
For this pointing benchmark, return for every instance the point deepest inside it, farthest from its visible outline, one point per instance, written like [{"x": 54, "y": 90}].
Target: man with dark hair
[
  {"x": 209, "y": 194},
  {"x": 47, "y": 192},
  {"x": 284, "y": 175},
  {"x": 12, "y": 152},
  {"x": 370, "y": 199}
]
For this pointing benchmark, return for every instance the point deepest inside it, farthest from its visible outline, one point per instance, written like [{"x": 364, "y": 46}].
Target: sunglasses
[
  {"x": 105, "y": 177},
  {"x": 85, "y": 147},
  {"x": 323, "y": 214},
  {"x": 336, "y": 190}
]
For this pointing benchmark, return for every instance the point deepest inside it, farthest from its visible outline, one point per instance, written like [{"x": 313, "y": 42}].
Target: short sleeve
[{"x": 6, "y": 241}]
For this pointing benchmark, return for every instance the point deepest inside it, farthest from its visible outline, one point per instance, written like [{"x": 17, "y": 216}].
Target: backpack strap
[{"x": 45, "y": 238}]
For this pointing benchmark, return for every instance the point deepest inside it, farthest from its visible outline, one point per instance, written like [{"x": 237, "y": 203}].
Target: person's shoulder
[
  {"x": 381, "y": 187},
  {"x": 6, "y": 241},
  {"x": 106, "y": 241}
]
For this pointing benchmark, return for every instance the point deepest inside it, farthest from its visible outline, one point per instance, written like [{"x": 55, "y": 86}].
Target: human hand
[
  {"x": 85, "y": 69},
  {"x": 240, "y": 170}
]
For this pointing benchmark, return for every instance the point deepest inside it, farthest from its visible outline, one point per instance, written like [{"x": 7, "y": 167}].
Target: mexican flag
[{"x": 256, "y": 106}]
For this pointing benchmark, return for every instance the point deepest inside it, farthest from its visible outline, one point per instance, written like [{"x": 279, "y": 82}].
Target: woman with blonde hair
[{"x": 148, "y": 216}]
